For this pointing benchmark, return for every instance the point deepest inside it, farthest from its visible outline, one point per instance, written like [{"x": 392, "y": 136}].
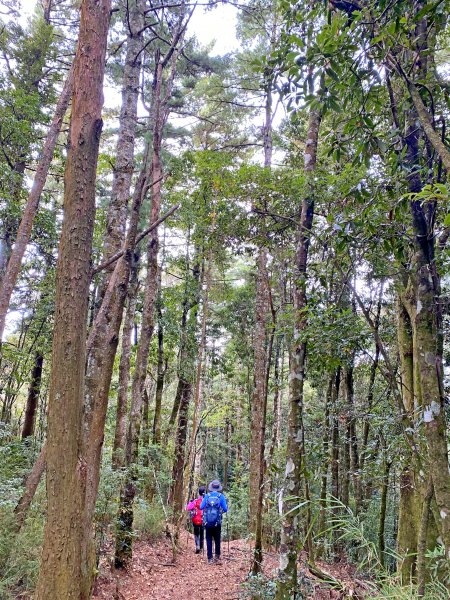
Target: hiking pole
[{"x": 228, "y": 537}]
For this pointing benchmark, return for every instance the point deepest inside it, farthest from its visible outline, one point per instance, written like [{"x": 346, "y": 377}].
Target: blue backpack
[{"x": 212, "y": 513}]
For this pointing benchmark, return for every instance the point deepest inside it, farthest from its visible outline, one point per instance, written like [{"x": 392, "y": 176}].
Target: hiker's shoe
[
  {"x": 210, "y": 561},
  {"x": 218, "y": 561},
  {"x": 197, "y": 551}
]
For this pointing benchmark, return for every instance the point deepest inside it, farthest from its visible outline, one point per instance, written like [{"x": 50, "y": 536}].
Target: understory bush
[
  {"x": 20, "y": 553},
  {"x": 149, "y": 519}
]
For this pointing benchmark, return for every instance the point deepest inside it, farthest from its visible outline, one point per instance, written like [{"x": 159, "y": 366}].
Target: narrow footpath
[{"x": 153, "y": 576}]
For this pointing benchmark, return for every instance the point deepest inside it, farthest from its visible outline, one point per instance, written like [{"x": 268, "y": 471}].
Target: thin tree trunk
[
  {"x": 33, "y": 396},
  {"x": 186, "y": 379},
  {"x": 198, "y": 379},
  {"x": 261, "y": 366},
  {"x": 295, "y": 458},
  {"x": 345, "y": 471},
  {"x": 31, "y": 484},
  {"x": 180, "y": 450},
  {"x": 61, "y": 574},
  {"x": 160, "y": 113},
  {"x": 151, "y": 284},
  {"x": 26, "y": 224},
  {"x": 259, "y": 387},
  {"x": 383, "y": 506},
  {"x": 359, "y": 493},
  {"x": 276, "y": 403},
  {"x": 118, "y": 457},
  {"x": 326, "y": 455},
  {"x": 160, "y": 371},
  {"x": 335, "y": 437}
]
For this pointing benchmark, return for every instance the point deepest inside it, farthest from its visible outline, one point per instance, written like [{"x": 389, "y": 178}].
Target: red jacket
[{"x": 196, "y": 513}]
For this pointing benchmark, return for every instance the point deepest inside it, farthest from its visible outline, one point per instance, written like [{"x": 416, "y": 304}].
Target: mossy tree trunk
[
  {"x": 295, "y": 458},
  {"x": 61, "y": 574}
]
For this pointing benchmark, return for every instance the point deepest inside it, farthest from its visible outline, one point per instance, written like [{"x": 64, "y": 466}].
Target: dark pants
[
  {"x": 198, "y": 536},
  {"x": 213, "y": 533}
]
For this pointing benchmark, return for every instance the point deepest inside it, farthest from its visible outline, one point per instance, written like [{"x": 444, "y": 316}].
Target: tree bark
[
  {"x": 422, "y": 539},
  {"x": 261, "y": 362},
  {"x": 61, "y": 574},
  {"x": 360, "y": 492},
  {"x": 116, "y": 217},
  {"x": 160, "y": 113},
  {"x": 276, "y": 401},
  {"x": 258, "y": 415},
  {"x": 185, "y": 382},
  {"x": 295, "y": 458},
  {"x": 198, "y": 396},
  {"x": 118, "y": 457}
]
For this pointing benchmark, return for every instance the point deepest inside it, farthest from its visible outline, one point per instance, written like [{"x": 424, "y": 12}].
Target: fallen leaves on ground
[{"x": 153, "y": 576}]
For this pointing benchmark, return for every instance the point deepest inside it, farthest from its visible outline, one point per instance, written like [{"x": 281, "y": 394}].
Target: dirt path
[{"x": 153, "y": 577}]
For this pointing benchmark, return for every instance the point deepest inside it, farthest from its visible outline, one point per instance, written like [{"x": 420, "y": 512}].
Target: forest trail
[{"x": 152, "y": 576}]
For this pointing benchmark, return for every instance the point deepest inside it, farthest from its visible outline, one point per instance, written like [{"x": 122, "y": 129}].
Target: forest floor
[{"x": 153, "y": 576}]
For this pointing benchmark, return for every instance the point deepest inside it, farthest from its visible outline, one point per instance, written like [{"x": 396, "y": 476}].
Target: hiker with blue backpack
[{"x": 213, "y": 505}]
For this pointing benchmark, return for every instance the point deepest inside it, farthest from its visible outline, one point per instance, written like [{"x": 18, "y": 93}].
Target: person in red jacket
[{"x": 197, "y": 518}]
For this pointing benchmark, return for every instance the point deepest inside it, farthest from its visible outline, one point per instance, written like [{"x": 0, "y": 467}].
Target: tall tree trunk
[
  {"x": 102, "y": 346},
  {"x": 295, "y": 458},
  {"x": 409, "y": 503},
  {"x": 258, "y": 415},
  {"x": 185, "y": 382},
  {"x": 61, "y": 574},
  {"x": 198, "y": 396},
  {"x": 116, "y": 216},
  {"x": 33, "y": 396},
  {"x": 118, "y": 457},
  {"x": 160, "y": 113},
  {"x": 360, "y": 492},
  {"x": 260, "y": 365},
  {"x": 104, "y": 335},
  {"x": 26, "y": 224}
]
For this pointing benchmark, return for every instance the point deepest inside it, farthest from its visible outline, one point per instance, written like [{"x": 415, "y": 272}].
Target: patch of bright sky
[{"x": 217, "y": 24}]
